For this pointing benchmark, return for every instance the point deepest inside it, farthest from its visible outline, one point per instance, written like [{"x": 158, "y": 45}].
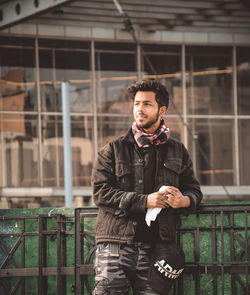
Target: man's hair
[{"x": 161, "y": 93}]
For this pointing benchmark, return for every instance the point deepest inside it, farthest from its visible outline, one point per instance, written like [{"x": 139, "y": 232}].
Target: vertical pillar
[
  {"x": 67, "y": 145},
  {"x": 184, "y": 95},
  {"x": 236, "y": 122},
  {"x": 38, "y": 93},
  {"x": 94, "y": 98},
  {"x": 138, "y": 61}
]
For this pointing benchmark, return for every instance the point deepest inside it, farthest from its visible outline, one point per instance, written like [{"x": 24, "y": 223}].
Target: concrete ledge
[
  {"x": 223, "y": 191},
  {"x": 149, "y": 36},
  {"x": 71, "y": 31},
  {"x": 172, "y": 36},
  {"x": 220, "y": 38},
  {"x": 80, "y": 32},
  {"x": 27, "y": 29},
  {"x": 103, "y": 33},
  {"x": 195, "y": 37},
  {"x": 33, "y": 192},
  {"x": 49, "y": 30}
]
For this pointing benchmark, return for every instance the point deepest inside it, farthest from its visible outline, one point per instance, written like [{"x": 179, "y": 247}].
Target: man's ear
[{"x": 163, "y": 110}]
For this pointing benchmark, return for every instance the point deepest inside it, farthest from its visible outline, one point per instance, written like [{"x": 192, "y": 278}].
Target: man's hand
[
  {"x": 157, "y": 200},
  {"x": 169, "y": 197},
  {"x": 176, "y": 198}
]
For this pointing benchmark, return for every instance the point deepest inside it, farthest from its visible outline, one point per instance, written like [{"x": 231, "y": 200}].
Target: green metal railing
[{"x": 53, "y": 253}]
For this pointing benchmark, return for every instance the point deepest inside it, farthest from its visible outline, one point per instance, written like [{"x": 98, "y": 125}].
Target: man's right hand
[{"x": 157, "y": 200}]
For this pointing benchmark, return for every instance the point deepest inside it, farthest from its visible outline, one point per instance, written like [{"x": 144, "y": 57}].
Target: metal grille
[
  {"x": 83, "y": 236},
  {"x": 33, "y": 253},
  {"x": 41, "y": 254},
  {"x": 218, "y": 256}
]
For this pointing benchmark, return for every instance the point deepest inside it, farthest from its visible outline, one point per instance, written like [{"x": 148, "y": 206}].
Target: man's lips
[{"x": 141, "y": 116}]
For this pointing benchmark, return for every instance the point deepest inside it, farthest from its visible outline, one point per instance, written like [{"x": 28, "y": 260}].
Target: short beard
[{"x": 149, "y": 124}]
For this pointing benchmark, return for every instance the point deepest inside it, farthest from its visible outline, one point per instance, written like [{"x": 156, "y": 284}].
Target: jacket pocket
[
  {"x": 110, "y": 227},
  {"x": 124, "y": 176},
  {"x": 172, "y": 170}
]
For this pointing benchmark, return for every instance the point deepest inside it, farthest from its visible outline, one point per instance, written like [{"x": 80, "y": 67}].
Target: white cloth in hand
[{"x": 153, "y": 212}]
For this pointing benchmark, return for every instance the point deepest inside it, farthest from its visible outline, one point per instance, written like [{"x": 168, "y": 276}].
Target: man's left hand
[{"x": 176, "y": 199}]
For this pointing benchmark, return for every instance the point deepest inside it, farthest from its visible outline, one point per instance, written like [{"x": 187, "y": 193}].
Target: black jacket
[{"x": 117, "y": 181}]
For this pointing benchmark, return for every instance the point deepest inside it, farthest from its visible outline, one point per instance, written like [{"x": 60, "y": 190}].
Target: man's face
[{"x": 147, "y": 113}]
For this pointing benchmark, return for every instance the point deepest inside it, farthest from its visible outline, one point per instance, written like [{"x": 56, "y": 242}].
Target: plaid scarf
[{"x": 160, "y": 136}]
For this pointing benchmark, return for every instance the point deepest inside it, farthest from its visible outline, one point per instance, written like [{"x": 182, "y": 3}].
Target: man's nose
[{"x": 140, "y": 108}]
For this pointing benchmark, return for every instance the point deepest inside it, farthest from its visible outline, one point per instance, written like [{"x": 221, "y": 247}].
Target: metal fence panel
[{"x": 53, "y": 254}]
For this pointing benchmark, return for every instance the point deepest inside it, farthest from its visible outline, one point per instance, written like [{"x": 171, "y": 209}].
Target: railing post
[
  {"x": 42, "y": 256},
  {"x": 77, "y": 252}
]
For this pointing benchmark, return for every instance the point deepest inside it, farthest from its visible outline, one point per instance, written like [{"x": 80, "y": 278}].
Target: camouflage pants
[{"x": 119, "y": 268}]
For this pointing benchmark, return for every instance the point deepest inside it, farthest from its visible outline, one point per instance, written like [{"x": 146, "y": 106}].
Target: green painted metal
[
  {"x": 31, "y": 250},
  {"x": 219, "y": 235}
]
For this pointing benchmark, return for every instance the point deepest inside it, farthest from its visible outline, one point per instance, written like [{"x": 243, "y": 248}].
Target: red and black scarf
[{"x": 160, "y": 136}]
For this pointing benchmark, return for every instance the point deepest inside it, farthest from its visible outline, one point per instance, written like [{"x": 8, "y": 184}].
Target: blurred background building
[{"x": 199, "y": 49}]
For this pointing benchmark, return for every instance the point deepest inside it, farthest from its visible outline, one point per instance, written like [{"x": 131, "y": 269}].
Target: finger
[
  {"x": 173, "y": 189},
  {"x": 171, "y": 202},
  {"x": 162, "y": 193},
  {"x": 165, "y": 198},
  {"x": 170, "y": 192},
  {"x": 165, "y": 204},
  {"x": 162, "y": 205},
  {"x": 171, "y": 198}
]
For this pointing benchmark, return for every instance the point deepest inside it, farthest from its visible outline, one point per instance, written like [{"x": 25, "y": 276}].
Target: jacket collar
[{"x": 129, "y": 136}]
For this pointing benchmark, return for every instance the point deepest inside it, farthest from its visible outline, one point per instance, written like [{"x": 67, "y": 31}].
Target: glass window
[
  {"x": 209, "y": 80},
  {"x": 74, "y": 66},
  {"x": 164, "y": 63},
  {"x": 176, "y": 127},
  {"x": 63, "y": 44},
  {"x": 65, "y": 60},
  {"x": 111, "y": 127},
  {"x": 49, "y": 100},
  {"x": 82, "y": 150},
  {"x": 244, "y": 148},
  {"x": 52, "y": 147},
  {"x": 111, "y": 46},
  {"x": 19, "y": 151},
  {"x": 17, "y": 41},
  {"x": 212, "y": 150},
  {"x": 17, "y": 79},
  {"x": 243, "y": 80},
  {"x": 116, "y": 70}
]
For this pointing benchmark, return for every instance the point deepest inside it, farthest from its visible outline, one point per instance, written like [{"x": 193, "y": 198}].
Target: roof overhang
[
  {"x": 14, "y": 11},
  {"x": 175, "y": 16}
]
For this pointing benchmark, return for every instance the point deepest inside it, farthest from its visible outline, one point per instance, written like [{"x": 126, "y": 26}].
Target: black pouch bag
[{"x": 166, "y": 264}]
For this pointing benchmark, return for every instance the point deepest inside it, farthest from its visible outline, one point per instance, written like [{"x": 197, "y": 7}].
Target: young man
[{"x": 126, "y": 180}]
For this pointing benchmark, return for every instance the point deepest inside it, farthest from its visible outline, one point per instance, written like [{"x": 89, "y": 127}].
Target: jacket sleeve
[
  {"x": 189, "y": 185},
  {"x": 106, "y": 194}
]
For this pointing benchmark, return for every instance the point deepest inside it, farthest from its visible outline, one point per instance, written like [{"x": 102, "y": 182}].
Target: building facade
[{"x": 207, "y": 75}]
